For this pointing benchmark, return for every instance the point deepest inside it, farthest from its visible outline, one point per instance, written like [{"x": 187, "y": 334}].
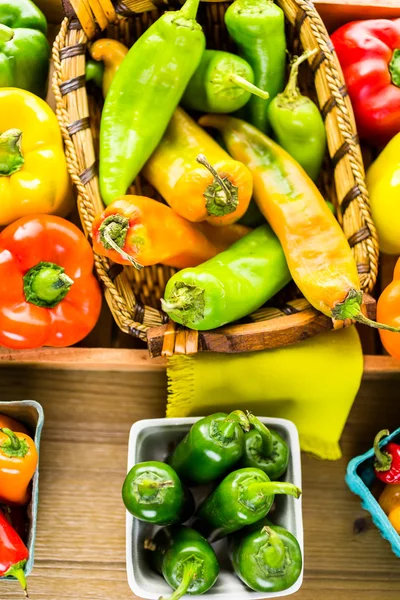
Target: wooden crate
[{"x": 107, "y": 347}]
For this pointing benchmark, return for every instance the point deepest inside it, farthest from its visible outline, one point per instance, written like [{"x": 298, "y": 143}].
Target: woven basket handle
[{"x": 90, "y": 13}]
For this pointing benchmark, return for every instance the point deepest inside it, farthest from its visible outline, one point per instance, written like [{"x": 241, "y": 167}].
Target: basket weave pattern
[{"x": 133, "y": 296}]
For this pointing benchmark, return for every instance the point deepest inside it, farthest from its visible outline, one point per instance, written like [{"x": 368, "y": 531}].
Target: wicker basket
[{"x": 134, "y": 296}]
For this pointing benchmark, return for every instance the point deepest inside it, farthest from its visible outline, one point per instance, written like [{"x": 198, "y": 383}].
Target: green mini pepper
[
  {"x": 213, "y": 445},
  {"x": 266, "y": 558},
  {"x": 258, "y": 28},
  {"x": 152, "y": 492},
  {"x": 242, "y": 498},
  {"x": 144, "y": 94},
  {"x": 222, "y": 83},
  {"x": 297, "y": 123},
  {"x": 265, "y": 449},
  {"x": 24, "y": 49},
  {"x": 229, "y": 286},
  {"x": 185, "y": 559},
  {"x": 94, "y": 71}
]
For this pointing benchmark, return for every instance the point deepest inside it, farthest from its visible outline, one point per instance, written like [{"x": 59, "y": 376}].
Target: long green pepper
[
  {"x": 144, "y": 94},
  {"x": 258, "y": 28},
  {"x": 229, "y": 286}
]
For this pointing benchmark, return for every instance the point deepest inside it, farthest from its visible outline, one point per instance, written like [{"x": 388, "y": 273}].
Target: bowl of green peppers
[{"x": 213, "y": 506}]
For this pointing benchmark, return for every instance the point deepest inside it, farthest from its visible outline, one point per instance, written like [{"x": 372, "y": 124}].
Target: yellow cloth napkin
[{"x": 312, "y": 383}]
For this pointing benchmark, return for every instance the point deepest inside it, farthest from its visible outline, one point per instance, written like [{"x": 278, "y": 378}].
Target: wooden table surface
[{"x": 80, "y": 547}]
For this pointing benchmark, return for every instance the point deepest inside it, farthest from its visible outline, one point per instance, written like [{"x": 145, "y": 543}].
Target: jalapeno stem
[
  {"x": 254, "y": 494},
  {"x": 225, "y": 429},
  {"x": 265, "y": 434},
  {"x": 247, "y": 86},
  {"x": 291, "y": 91},
  {"x": 6, "y": 33},
  {"x": 189, "y": 9},
  {"x": 190, "y": 571},
  {"x": 113, "y": 232},
  {"x": 350, "y": 308},
  {"x": 148, "y": 487},
  {"x": 274, "y": 551},
  {"x": 383, "y": 460},
  {"x": 221, "y": 195}
]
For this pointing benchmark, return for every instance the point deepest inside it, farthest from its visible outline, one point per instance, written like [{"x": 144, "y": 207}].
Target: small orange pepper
[
  {"x": 388, "y": 310},
  {"x": 389, "y": 501},
  {"x": 197, "y": 178},
  {"x": 18, "y": 462},
  {"x": 12, "y": 424},
  {"x": 112, "y": 53}
]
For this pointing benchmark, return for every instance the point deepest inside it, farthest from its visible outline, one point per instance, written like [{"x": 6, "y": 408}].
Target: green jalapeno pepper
[
  {"x": 213, "y": 445},
  {"x": 136, "y": 115},
  {"x": 297, "y": 123},
  {"x": 222, "y": 83},
  {"x": 153, "y": 492},
  {"x": 231, "y": 285},
  {"x": 258, "y": 28},
  {"x": 242, "y": 498},
  {"x": 185, "y": 560},
  {"x": 267, "y": 558},
  {"x": 264, "y": 449}
]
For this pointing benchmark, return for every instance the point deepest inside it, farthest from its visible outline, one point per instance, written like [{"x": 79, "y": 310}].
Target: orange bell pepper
[
  {"x": 388, "y": 310},
  {"x": 18, "y": 462},
  {"x": 217, "y": 190},
  {"x": 140, "y": 231},
  {"x": 389, "y": 501},
  {"x": 12, "y": 424}
]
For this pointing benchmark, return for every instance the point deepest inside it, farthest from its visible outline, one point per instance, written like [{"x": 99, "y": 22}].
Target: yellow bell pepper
[
  {"x": 383, "y": 182},
  {"x": 33, "y": 170}
]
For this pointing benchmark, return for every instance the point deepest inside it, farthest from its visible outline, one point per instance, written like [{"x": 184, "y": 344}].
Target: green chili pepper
[
  {"x": 229, "y": 286},
  {"x": 265, "y": 450},
  {"x": 212, "y": 446},
  {"x": 242, "y": 498},
  {"x": 222, "y": 83},
  {"x": 144, "y": 94},
  {"x": 153, "y": 492},
  {"x": 258, "y": 28},
  {"x": 298, "y": 124},
  {"x": 24, "y": 49},
  {"x": 266, "y": 558},
  {"x": 185, "y": 560},
  {"x": 94, "y": 71}
]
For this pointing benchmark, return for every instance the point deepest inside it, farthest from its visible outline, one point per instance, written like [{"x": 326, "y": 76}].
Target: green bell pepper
[
  {"x": 267, "y": 558},
  {"x": 24, "y": 49},
  {"x": 185, "y": 560},
  {"x": 242, "y": 498},
  {"x": 231, "y": 285},
  {"x": 153, "y": 492},
  {"x": 213, "y": 445},
  {"x": 265, "y": 449}
]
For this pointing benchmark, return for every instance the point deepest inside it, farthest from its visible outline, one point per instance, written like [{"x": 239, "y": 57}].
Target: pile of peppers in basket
[
  {"x": 209, "y": 184},
  {"x": 18, "y": 462},
  {"x": 387, "y": 470},
  {"x": 243, "y": 461}
]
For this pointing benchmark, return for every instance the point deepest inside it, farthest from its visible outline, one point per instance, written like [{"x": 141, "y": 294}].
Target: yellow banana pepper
[
  {"x": 112, "y": 53},
  {"x": 33, "y": 170},
  {"x": 383, "y": 182}
]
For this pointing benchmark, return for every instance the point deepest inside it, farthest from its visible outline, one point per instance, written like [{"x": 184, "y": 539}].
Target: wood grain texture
[
  {"x": 335, "y": 13},
  {"x": 80, "y": 549}
]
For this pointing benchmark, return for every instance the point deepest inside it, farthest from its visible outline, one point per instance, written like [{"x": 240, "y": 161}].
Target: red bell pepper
[
  {"x": 13, "y": 553},
  {"x": 369, "y": 53},
  {"x": 387, "y": 460},
  {"x": 48, "y": 293}
]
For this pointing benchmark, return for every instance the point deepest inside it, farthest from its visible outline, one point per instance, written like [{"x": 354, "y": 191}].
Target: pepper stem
[
  {"x": 46, "y": 285},
  {"x": 394, "y": 67},
  {"x": 148, "y": 487},
  {"x": 11, "y": 158},
  {"x": 14, "y": 447},
  {"x": 113, "y": 232},
  {"x": 14, "y": 441},
  {"x": 189, "y": 9},
  {"x": 350, "y": 308},
  {"x": 17, "y": 571},
  {"x": 291, "y": 91},
  {"x": 255, "y": 493},
  {"x": 265, "y": 434},
  {"x": 383, "y": 460},
  {"x": 6, "y": 33},
  {"x": 225, "y": 429},
  {"x": 274, "y": 551},
  {"x": 186, "y": 298},
  {"x": 221, "y": 195},
  {"x": 190, "y": 571},
  {"x": 247, "y": 86}
]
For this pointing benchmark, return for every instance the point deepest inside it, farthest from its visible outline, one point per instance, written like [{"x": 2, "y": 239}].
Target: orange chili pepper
[
  {"x": 317, "y": 252},
  {"x": 18, "y": 462},
  {"x": 217, "y": 190},
  {"x": 388, "y": 310},
  {"x": 140, "y": 231},
  {"x": 10, "y": 423},
  {"x": 112, "y": 53},
  {"x": 389, "y": 501}
]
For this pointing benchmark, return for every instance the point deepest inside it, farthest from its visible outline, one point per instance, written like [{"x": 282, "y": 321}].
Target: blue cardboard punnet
[{"x": 360, "y": 477}]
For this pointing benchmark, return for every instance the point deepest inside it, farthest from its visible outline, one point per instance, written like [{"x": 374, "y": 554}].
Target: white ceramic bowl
[{"x": 151, "y": 439}]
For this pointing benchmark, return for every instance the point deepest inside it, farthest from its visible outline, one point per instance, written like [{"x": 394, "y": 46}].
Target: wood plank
[
  {"x": 338, "y": 12},
  {"x": 80, "y": 551}
]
